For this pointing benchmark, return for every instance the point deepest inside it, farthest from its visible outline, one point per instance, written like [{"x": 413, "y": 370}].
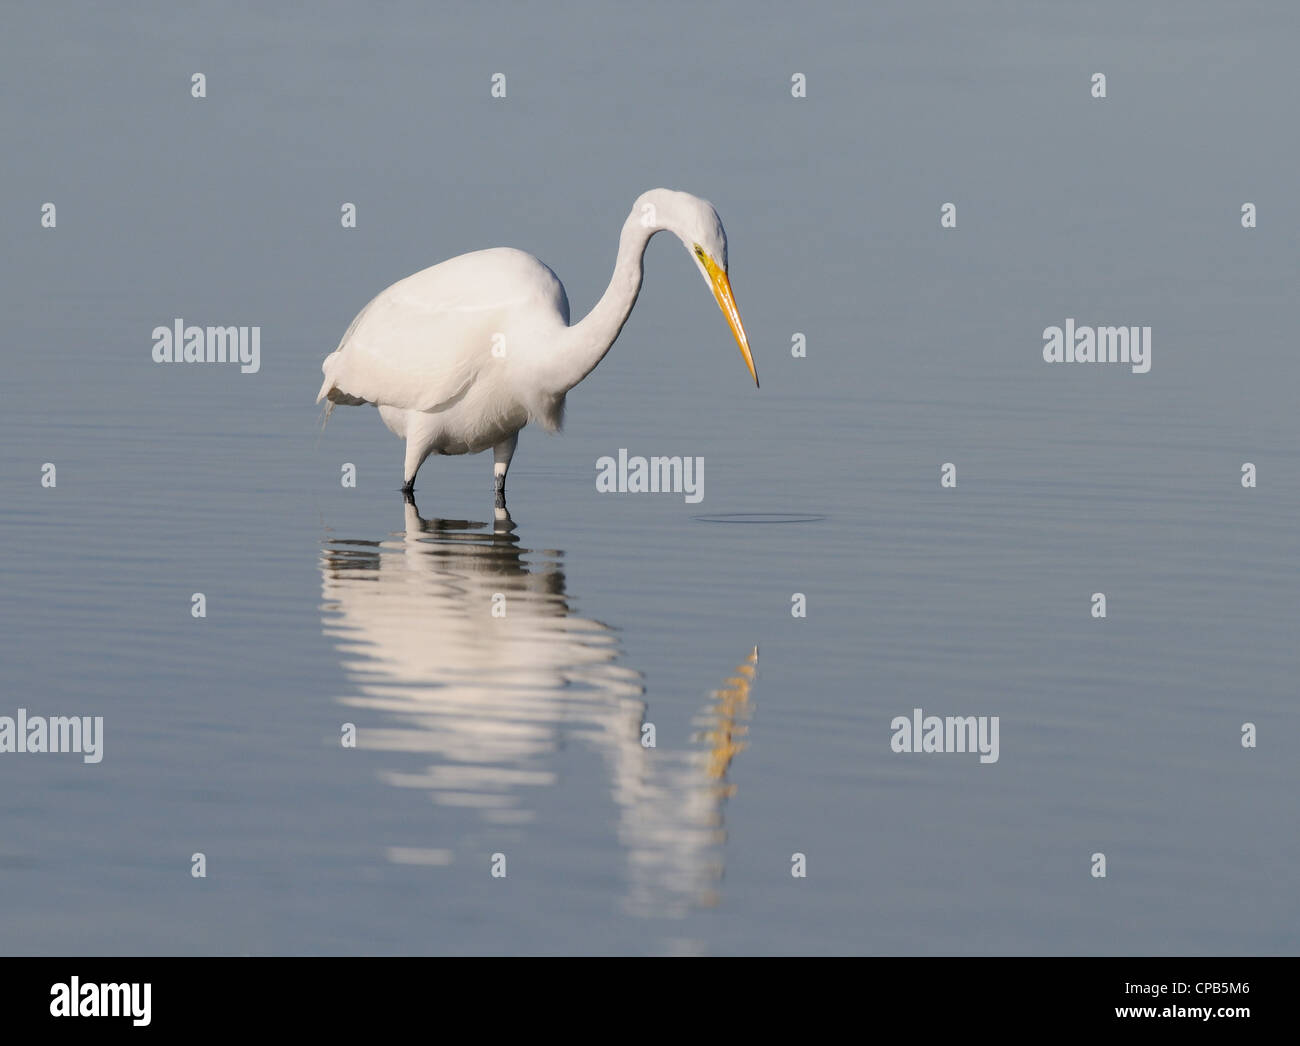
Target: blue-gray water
[{"x": 521, "y": 735}]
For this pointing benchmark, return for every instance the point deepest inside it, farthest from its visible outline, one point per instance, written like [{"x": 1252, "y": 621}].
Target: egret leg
[
  {"x": 408, "y": 486},
  {"x": 416, "y": 452},
  {"x": 502, "y": 453}
]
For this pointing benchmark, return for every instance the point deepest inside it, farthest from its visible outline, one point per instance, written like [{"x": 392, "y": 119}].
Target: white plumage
[{"x": 460, "y": 356}]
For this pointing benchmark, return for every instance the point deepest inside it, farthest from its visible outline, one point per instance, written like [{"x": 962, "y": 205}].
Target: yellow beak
[{"x": 727, "y": 303}]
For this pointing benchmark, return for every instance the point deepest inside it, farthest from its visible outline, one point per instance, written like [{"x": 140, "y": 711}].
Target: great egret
[{"x": 460, "y": 356}]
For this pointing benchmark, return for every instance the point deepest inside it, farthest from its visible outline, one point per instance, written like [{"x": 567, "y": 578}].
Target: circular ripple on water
[{"x": 760, "y": 517}]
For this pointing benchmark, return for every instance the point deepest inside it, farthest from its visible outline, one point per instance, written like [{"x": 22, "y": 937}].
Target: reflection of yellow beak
[{"x": 722, "y": 291}]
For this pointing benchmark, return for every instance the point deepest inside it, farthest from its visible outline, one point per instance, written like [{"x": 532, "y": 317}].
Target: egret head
[{"x": 697, "y": 225}]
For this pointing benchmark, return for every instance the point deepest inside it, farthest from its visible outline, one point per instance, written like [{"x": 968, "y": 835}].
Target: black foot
[{"x": 501, "y": 521}]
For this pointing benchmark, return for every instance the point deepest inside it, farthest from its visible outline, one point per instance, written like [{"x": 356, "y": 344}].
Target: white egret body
[{"x": 460, "y": 356}]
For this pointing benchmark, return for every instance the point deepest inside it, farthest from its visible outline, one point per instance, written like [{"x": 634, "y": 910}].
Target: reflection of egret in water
[
  {"x": 466, "y": 647},
  {"x": 673, "y": 826}
]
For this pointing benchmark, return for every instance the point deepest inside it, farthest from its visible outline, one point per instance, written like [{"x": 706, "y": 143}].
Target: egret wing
[{"x": 424, "y": 341}]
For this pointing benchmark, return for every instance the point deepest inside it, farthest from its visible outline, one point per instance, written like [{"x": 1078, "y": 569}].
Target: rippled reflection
[{"x": 464, "y": 647}]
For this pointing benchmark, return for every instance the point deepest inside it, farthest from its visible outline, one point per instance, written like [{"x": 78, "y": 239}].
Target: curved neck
[{"x": 585, "y": 343}]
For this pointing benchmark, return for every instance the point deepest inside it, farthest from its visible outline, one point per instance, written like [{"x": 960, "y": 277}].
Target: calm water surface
[{"x": 521, "y": 735}]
